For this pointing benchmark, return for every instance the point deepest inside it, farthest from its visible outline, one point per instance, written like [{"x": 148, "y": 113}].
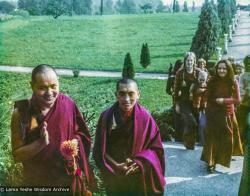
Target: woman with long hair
[
  {"x": 183, "y": 105},
  {"x": 222, "y": 138}
]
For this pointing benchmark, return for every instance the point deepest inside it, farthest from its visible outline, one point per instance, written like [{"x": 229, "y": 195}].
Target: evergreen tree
[
  {"x": 174, "y": 2},
  {"x": 176, "y": 6},
  {"x": 193, "y": 6},
  {"x": 145, "y": 56},
  {"x": 108, "y": 7},
  {"x": 147, "y": 7},
  {"x": 57, "y": 8},
  {"x": 224, "y": 12},
  {"x": 81, "y": 7},
  {"x": 32, "y": 6},
  {"x": 87, "y": 7},
  {"x": 118, "y": 6},
  {"x": 128, "y": 67},
  {"x": 233, "y": 7},
  {"x": 207, "y": 35},
  {"x": 128, "y": 7},
  {"x": 185, "y": 7},
  {"x": 160, "y": 7}
]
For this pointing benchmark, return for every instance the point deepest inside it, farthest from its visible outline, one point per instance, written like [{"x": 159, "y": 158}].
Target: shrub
[
  {"x": 164, "y": 120},
  {"x": 128, "y": 67},
  {"x": 19, "y": 12},
  {"x": 145, "y": 56},
  {"x": 76, "y": 72}
]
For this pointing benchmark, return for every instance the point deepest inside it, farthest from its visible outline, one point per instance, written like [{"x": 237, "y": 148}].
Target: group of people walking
[
  {"x": 49, "y": 134},
  {"x": 212, "y": 107}
]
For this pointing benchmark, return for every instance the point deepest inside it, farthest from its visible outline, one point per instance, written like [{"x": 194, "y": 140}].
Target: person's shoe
[
  {"x": 189, "y": 147},
  {"x": 211, "y": 169}
]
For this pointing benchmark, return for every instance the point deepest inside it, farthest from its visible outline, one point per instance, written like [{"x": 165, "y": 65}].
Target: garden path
[
  {"x": 186, "y": 175},
  {"x": 87, "y": 73}
]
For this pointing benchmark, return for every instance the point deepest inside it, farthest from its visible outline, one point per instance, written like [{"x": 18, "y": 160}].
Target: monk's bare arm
[
  {"x": 22, "y": 152},
  {"x": 119, "y": 166},
  {"x": 111, "y": 160}
]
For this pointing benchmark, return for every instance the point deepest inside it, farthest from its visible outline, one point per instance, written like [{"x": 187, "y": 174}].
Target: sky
[{"x": 199, "y": 2}]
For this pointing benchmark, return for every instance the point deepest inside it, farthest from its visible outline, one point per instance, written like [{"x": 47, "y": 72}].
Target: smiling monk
[
  {"x": 128, "y": 149},
  {"x": 39, "y": 127}
]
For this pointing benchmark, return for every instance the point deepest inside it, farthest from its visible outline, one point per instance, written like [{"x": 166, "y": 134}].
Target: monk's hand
[
  {"x": 44, "y": 133},
  {"x": 129, "y": 162},
  {"x": 219, "y": 101},
  {"x": 122, "y": 167},
  {"x": 133, "y": 168}
]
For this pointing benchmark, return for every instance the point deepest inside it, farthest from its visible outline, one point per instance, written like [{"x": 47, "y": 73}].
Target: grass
[
  {"x": 92, "y": 95},
  {"x": 97, "y": 42}
]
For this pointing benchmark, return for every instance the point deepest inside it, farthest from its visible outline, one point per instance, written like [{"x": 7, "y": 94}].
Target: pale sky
[{"x": 199, "y": 2}]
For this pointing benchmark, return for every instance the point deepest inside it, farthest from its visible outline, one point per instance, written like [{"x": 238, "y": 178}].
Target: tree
[
  {"x": 147, "y": 7},
  {"x": 128, "y": 67},
  {"x": 101, "y": 8},
  {"x": 57, "y": 8},
  {"x": 161, "y": 7},
  {"x": 118, "y": 6},
  {"x": 6, "y": 7},
  {"x": 174, "y": 2},
  {"x": 207, "y": 35},
  {"x": 32, "y": 6},
  {"x": 224, "y": 12},
  {"x": 176, "y": 6},
  {"x": 185, "y": 7},
  {"x": 108, "y": 7},
  {"x": 128, "y": 7},
  {"x": 233, "y": 7},
  {"x": 193, "y": 6},
  {"x": 145, "y": 56},
  {"x": 87, "y": 7}
]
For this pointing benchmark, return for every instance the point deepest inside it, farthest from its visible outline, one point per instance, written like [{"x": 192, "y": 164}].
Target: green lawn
[
  {"x": 92, "y": 95},
  {"x": 97, "y": 42}
]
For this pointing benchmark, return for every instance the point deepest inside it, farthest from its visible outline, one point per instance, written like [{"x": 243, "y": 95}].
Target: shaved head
[
  {"x": 42, "y": 69},
  {"x": 127, "y": 82}
]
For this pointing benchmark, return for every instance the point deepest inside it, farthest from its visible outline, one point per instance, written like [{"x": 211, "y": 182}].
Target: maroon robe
[
  {"x": 147, "y": 151},
  {"x": 222, "y": 132},
  {"x": 48, "y": 167}
]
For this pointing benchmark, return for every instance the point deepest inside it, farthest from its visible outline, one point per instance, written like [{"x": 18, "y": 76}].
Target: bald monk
[
  {"x": 128, "y": 149},
  {"x": 38, "y": 128}
]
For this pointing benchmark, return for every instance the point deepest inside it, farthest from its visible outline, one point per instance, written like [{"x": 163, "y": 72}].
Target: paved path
[
  {"x": 240, "y": 45},
  {"x": 87, "y": 73},
  {"x": 186, "y": 175}
]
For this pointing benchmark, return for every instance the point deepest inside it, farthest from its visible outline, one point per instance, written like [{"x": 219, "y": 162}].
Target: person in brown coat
[
  {"x": 183, "y": 105},
  {"x": 222, "y": 138}
]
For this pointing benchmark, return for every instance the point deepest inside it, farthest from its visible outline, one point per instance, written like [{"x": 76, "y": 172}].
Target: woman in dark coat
[
  {"x": 183, "y": 106},
  {"x": 222, "y": 138}
]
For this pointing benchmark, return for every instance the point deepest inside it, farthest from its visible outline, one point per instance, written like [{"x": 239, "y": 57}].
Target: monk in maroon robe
[
  {"x": 128, "y": 149},
  {"x": 38, "y": 128}
]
